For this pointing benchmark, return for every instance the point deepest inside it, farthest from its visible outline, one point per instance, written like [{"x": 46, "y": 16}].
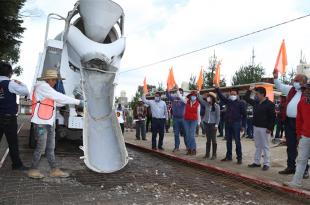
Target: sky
[{"x": 159, "y": 29}]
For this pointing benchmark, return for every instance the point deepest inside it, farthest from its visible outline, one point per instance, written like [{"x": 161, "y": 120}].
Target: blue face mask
[
  {"x": 193, "y": 98},
  {"x": 297, "y": 85}
]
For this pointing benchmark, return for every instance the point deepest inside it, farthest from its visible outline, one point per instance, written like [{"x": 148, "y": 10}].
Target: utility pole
[{"x": 253, "y": 57}]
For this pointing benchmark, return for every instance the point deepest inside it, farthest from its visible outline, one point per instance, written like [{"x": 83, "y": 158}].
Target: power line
[{"x": 216, "y": 44}]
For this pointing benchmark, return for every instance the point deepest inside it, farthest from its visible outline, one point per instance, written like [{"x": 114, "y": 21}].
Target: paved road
[{"x": 147, "y": 179}]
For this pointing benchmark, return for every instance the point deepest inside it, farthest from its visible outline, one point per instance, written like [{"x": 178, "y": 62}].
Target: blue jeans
[
  {"x": 190, "y": 128},
  {"x": 178, "y": 125},
  {"x": 233, "y": 132},
  {"x": 158, "y": 126},
  {"x": 249, "y": 127},
  {"x": 45, "y": 135}
]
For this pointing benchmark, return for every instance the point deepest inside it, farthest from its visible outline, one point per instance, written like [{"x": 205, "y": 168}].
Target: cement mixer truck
[{"x": 87, "y": 53}]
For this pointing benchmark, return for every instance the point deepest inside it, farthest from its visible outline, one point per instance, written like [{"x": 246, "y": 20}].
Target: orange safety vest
[{"x": 46, "y": 107}]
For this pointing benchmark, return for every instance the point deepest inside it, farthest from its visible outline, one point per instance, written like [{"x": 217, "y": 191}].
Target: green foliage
[
  {"x": 18, "y": 70},
  {"x": 248, "y": 74},
  {"x": 192, "y": 83},
  {"x": 208, "y": 74},
  {"x": 288, "y": 78},
  {"x": 11, "y": 30},
  {"x": 160, "y": 87}
]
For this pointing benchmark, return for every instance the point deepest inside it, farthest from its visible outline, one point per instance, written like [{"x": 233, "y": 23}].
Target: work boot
[
  {"x": 208, "y": 146},
  {"x": 214, "y": 148},
  {"x": 56, "y": 172},
  {"x": 189, "y": 152},
  {"x": 35, "y": 174}
]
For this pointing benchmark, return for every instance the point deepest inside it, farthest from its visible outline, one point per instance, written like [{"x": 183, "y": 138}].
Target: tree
[
  {"x": 288, "y": 78},
  {"x": 11, "y": 30},
  {"x": 248, "y": 74},
  {"x": 208, "y": 74},
  {"x": 160, "y": 87},
  {"x": 192, "y": 85}
]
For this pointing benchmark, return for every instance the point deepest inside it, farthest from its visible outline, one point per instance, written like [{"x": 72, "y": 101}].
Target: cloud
[{"x": 157, "y": 29}]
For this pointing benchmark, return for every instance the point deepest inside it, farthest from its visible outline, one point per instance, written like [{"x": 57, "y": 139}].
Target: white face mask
[
  {"x": 209, "y": 99},
  {"x": 233, "y": 97},
  {"x": 297, "y": 85},
  {"x": 157, "y": 99}
]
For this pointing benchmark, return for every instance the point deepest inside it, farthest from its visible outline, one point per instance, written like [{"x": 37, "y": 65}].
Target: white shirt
[
  {"x": 16, "y": 88},
  {"x": 291, "y": 110},
  {"x": 159, "y": 109},
  {"x": 42, "y": 91},
  {"x": 121, "y": 116}
]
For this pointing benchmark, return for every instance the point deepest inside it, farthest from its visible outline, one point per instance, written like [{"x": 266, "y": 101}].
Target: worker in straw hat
[
  {"x": 211, "y": 119},
  {"x": 44, "y": 101}
]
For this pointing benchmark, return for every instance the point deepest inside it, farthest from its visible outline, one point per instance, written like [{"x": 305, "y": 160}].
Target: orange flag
[
  {"x": 281, "y": 62},
  {"x": 216, "y": 80},
  {"x": 200, "y": 80},
  {"x": 170, "y": 82},
  {"x": 145, "y": 91}
]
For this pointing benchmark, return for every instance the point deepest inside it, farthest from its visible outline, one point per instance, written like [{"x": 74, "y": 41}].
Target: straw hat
[
  {"x": 212, "y": 94},
  {"x": 50, "y": 74},
  {"x": 194, "y": 93}
]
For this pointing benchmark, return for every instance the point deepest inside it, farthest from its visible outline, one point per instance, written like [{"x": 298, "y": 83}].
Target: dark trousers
[
  {"x": 8, "y": 126},
  {"x": 280, "y": 128},
  {"x": 291, "y": 142},
  {"x": 140, "y": 129},
  {"x": 249, "y": 127},
  {"x": 210, "y": 133},
  {"x": 122, "y": 127},
  {"x": 148, "y": 121},
  {"x": 221, "y": 126},
  {"x": 233, "y": 132},
  {"x": 158, "y": 127}
]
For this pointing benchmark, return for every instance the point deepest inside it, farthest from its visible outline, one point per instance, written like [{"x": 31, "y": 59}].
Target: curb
[{"x": 259, "y": 181}]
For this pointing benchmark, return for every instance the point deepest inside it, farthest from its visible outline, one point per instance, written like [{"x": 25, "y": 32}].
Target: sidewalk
[{"x": 278, "y": 156}]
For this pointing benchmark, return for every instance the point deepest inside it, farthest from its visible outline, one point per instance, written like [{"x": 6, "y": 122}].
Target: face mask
[
  {"x": 297, "y": 85},
  {"x": 233, "y": 97},
  {"x": 209, "y": 99},
  {"x": 157, "y": 99},
  {"x": 193, "y": 98}
]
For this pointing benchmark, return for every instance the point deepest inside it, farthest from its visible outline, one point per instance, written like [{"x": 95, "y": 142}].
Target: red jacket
[
  {"x": 303, "y": 118},
  {"x": 191, "y": 111}
]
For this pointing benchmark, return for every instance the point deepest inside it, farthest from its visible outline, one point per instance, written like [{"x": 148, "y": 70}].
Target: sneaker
[
  {"x": 239, "y": 161},
  {"x": 58, "y": 173},
  {"x": 292, "y": 184},
  {"x": 175, "y": 150},
  {"x": 287, "y": 171},
  {"x": 265, "y": 167},
  {"x": 35, "y": 174},
  {"x": 213, "y": 157},
  {"x": 189, "y": 152},
  {"x": 194, "y": 152},
  {"x": 253, "y": 165},
  {"x": 21, "y": 168},
  {"x": 160, "y": 148}
]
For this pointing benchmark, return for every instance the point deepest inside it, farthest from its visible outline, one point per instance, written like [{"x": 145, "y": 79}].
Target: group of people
[
  {"x": 186, "y": 114},
  {"x": 44, "y": 101},
  {"x": 289, "y": 116}
]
